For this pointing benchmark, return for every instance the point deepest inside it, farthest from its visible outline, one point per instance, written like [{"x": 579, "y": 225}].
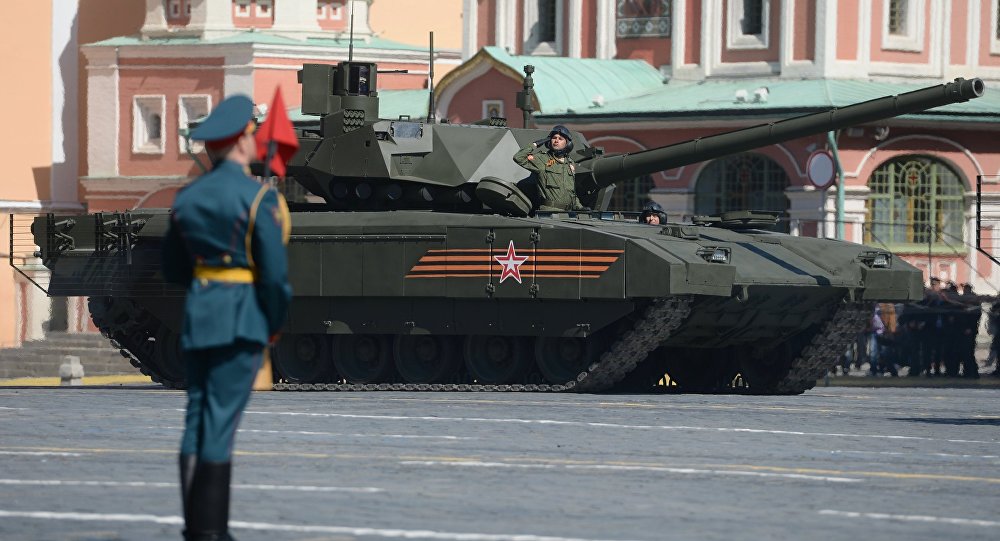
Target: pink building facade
[
  {"x": 144, "y": 89},
  {"x": 909, "y": 183}
]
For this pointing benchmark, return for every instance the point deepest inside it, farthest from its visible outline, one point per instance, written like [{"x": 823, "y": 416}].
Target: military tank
[{"x": 425, "y": 267}]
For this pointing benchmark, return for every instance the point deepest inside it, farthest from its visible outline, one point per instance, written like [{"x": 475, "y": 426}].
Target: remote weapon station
[{"x": 427, "y": 268}]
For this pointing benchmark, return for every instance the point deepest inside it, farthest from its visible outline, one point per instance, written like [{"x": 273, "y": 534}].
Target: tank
[{"x": 425, "y": 266}]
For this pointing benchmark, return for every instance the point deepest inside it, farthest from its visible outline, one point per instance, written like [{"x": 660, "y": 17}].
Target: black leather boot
[
  {"x": 187, "y": 468},
  {"x": 208, "y": 503}
]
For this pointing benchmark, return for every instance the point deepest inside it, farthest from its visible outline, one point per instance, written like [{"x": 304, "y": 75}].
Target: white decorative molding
[
  {"x": 605, "y": 30},
  {"x": 470, "y": 28},
  {"x": 912, "y": 37},
  {"x": 870, "y": 155},
  {"x": 28, "y": 207}
]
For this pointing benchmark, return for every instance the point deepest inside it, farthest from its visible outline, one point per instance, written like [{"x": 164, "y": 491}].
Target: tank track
[
  {"x": 129, "y": 329},
  {"x": 131, "y": 335},
  {"x": 823, "y": 351},
  {"x": 658, "y": 321}
]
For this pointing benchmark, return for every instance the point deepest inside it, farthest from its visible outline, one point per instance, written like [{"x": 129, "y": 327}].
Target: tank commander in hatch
[
  {"x": 652, "y": 214},
  {"x": 554, "y": 170},
  {"x": 226, "y": 246}
]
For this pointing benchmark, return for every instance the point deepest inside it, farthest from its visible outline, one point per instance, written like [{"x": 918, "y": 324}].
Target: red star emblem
[{"x": 511, "y": 263}]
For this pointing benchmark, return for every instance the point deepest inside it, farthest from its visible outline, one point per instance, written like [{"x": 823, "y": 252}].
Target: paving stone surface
[{"x": 833, "y": 464}]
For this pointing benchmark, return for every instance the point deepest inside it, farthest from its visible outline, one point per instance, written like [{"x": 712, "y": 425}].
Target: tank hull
[{"x": 419, "y": 299}]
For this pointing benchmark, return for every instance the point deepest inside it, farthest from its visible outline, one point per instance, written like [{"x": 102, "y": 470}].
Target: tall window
[
  {"x": 189, "y": 108},
  {"x": 752, "y": 23},
  {"x": 897, "y": 17},
  {"x": 147, "y": 124},
  {"x": 903, "y": 29},
  {"x": 914, "y": 201},
  {"x": 546, "y": 20},
  {"x": 742, "y": 182},
  {"x": 747, "y": 26},
  {"x": 996, "y": 31},
  {"x": 542, "y": 28},
  {"x": 631, "y": 195}
]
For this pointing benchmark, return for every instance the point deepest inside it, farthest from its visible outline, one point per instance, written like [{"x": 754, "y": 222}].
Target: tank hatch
[{"x": 739, "y": 219}]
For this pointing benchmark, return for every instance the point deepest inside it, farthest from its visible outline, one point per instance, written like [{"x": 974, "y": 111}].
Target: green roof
[
  {"x": 262, "y": 38},
  {"x": 720, "y": 98},
  {"x": 567, "y": 84}
]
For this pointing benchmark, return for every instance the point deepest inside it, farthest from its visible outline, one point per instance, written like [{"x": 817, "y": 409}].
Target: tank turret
[{"x": 356, "y": 161}]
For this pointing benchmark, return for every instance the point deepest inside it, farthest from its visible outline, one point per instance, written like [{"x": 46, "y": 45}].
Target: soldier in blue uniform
[{"x": 226, "y": 245}]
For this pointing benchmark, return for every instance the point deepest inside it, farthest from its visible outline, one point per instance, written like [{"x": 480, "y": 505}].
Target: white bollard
[{"x": 71, "y": 371}]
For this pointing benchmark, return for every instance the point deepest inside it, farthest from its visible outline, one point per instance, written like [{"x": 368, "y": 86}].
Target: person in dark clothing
[
  {"x": 549, "y": 158},
  {"x": 226, "y": 245},
  {"x": 652, "y": 214}
]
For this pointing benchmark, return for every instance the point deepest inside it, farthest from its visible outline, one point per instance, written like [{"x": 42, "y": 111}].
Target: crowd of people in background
[{"x": 933, "y": 337}]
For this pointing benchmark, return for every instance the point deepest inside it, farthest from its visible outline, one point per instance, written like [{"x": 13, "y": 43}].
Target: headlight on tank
[
  {"x": 714, "y": 254},
  {"x": 877, "y": 260}
]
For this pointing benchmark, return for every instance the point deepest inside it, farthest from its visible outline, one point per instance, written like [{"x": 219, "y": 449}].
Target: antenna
[
  {"x": 430, "y": 84},
  {"x": 350, "y": 46}
]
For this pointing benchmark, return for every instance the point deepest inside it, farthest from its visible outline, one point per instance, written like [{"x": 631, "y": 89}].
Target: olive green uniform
[{"x": 556, "y": 178}]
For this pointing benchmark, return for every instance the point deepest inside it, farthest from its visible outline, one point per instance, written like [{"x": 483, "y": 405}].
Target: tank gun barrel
[{"x": 599, "y": 172}]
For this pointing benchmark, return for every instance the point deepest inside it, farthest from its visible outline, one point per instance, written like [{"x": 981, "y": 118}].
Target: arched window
[
  {"x": 631, "y": 195},
  {"x": 742, "y": 182},
  {"x": 915, "y": 200}
]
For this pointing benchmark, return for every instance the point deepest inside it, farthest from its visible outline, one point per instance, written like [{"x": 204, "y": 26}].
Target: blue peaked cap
[{"x": 228, "y": 119}]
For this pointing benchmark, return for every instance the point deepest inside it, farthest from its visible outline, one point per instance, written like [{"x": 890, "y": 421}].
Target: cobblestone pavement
[{"x": 835, "y": 463}]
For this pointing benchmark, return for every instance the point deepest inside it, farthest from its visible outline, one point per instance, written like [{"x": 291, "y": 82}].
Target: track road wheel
[
  {"x": 363, "y": 358},
  {"x": 563, "y": 359},
  {"x": 425, "y": 358},
  {"x": 302, "y": 358},
  {"x": 496, "y": 359}
]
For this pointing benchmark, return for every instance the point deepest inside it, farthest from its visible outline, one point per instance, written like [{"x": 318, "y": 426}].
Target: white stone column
[
  {"x": 360, "y": 10},
  {"x": 826, "y": 36},
  {"x": 211, "y": 18},
  {"x": 470, "y": 28},
  {"x": 102, "y": 111},
  {"x": 65, "y": 132},
  {"x": 574, "y": 38},
  {"x": 506, "y": 30},
  {"x": 238, "y": 72},
  {"x": 156, "y": 18},
  {"x": 295, "y": 19},
  {"x": 605, "y": 29}
]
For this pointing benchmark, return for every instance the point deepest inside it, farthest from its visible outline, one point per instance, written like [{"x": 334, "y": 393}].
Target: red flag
[{"x": 276, "y": 137}]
